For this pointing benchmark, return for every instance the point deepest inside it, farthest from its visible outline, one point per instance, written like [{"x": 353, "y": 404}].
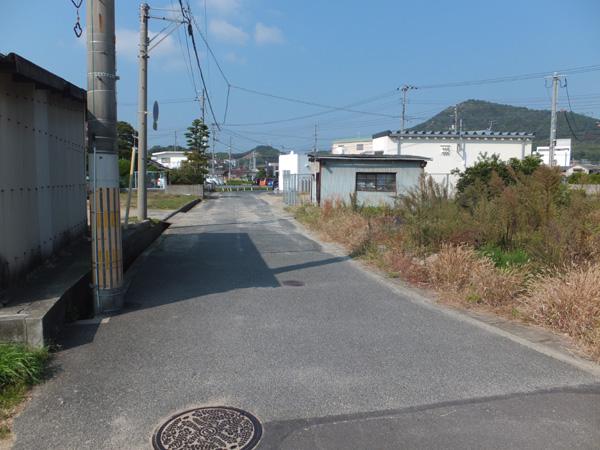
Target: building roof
[
  {"x": 352, "y": 140},
  {"x": 451, "y": 134},
  {"x": 169, "y": 152},
  {"x": 364, "y": 157},
  {"x": 22, "y": 69}
]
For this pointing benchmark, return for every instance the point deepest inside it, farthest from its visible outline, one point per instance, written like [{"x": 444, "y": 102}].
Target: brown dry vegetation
[{"x": 522, "y": 246}]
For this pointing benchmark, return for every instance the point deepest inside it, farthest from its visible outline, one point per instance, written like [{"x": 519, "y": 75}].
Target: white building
[
  {"x": 352, "y": 146},
  {"x": 562, "y": 153},
  {"x": 449, "y": 150},
  {"x": 292, "y": 164},
  {"x": 170, "y": 159}
]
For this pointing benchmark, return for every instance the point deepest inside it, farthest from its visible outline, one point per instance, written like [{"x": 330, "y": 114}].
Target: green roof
[{"x": 350, "y": 140}]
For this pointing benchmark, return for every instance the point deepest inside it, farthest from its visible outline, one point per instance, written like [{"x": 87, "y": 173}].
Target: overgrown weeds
[
  {"x": 513, "y": 240},
  {"x": 20, "y": 368}
]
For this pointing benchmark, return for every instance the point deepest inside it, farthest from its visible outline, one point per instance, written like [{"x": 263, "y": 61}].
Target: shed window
[{"x": 376, "y": 182}]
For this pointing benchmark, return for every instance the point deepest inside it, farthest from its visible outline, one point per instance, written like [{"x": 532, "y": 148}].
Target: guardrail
[{"x": 241, "y": 187}]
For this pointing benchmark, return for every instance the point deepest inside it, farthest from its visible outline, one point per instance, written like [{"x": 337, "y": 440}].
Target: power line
[
  {"x": 310, "y": 103},
  {"x": 191, "y": 33},
  {"x": 511, "y": 78}
]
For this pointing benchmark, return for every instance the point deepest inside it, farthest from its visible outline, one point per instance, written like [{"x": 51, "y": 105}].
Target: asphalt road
[{"x": 341, "y": 361}]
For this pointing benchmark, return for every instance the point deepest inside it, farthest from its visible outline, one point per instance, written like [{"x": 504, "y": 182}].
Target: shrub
[{"x": 568, "y": 300}]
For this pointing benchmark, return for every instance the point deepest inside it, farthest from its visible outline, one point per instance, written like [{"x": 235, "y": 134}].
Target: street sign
[{"x": 155, "y": 116}]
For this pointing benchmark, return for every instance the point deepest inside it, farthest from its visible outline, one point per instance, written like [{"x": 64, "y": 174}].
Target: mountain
[
  {"x": 264, "y": 154},
  {"x": 477, "y": 115}
]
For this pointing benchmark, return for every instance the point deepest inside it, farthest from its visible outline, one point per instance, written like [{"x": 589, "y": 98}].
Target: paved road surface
[{"x": 339, "y": 362}]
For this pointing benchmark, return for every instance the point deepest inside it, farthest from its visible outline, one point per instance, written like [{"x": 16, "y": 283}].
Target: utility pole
[
  {"x": 212, "y": 161},
  {"x": 229, "y": 160},
  {"x": 315, "y": 146},
  {"x": 456, "y": 118},
  {"x": 142, "y": 209},
  {"x": 404, "y": 90},
  {"x": 555, "y": 82},
  {"x": 105, "y": 216}
]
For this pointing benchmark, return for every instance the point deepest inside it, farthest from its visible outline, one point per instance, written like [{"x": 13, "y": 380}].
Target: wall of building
[
  {"x": 42, "y": 175},
  {"x": 295, "y": 163},
  {"x": 562, "y": 153},
  {"x": 338, "y": 179},
  {"x": 172, "y": 160},
  {"x": 352, "y": 147},
  {"x": 450, "y": 153}
]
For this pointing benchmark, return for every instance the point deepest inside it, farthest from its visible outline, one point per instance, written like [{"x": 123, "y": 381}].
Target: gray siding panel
[{"x": 338, "y": 179}]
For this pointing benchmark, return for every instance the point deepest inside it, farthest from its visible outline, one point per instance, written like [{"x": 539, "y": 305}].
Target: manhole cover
[
  {"x": 292, "y": 283},
  {"x": 211, "y": 428}
]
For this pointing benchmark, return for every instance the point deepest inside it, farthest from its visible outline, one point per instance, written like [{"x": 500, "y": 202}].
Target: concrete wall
[
  {"x": 338, "y": 179},
  {"x": 42, "y": 175}
]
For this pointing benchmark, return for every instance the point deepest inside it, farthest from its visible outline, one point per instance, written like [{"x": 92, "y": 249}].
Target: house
[
  {"x": 170, "y": 159},
  {"x": 448, "y": 150},
  {"x": 374, "y": 179},
  {"x": 588, "y": 169},
  {"x": 562, "y": 153},
  {"x": 292, "y": 164},
  {"x": 352, "y": 146}
]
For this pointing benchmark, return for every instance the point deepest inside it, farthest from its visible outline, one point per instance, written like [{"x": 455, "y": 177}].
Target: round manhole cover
[
  {"x": 210, "y": 428},
  {"x": 294, "y": 283}
]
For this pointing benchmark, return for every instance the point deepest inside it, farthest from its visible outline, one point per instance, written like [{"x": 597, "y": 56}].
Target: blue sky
[{"x": 333, "y": 53}]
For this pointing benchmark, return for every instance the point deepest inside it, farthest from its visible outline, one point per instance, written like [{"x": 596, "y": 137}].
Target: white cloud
[
  {"x": 226, "y": 32},
  {"x": 233, "y": 57},
  {"x": 264, "y": 34},
  {"x": 222, "y": 7},
  {"x": 127, "y": 41}
]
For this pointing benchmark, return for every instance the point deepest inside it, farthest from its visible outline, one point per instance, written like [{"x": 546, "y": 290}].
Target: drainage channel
[{"x": 210, "y": 428}]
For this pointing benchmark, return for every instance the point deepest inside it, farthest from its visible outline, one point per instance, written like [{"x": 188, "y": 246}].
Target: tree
[
  {"x": 126, "y": 136},
  {"x": 193, "y": 170}
]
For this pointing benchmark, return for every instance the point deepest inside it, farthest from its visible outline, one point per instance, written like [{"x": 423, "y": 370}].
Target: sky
[{"x": 332, "y": 53}]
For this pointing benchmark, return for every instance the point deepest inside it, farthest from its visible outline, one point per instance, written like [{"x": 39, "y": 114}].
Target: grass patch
[
  {"x": 505, "y": 258},
  {"x": 158, "y": 200},
  {"x": 20, "y": 368}
]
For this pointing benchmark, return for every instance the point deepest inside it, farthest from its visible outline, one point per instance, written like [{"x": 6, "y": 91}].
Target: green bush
[{"x": 505, "y": 258}]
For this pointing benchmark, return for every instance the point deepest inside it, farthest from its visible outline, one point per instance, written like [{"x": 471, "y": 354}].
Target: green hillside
[{"x": 477, "y": 114}]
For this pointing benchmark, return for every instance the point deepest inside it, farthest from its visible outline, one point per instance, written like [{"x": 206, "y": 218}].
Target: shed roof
[
  {"x": 352, "y": 140},
  {"x": 364, "y": 157},
  {"x": 24, "y": 70}
]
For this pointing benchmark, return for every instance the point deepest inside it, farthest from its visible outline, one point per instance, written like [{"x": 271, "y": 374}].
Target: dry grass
[
  {"x": 474, "y": 279},
  {"x": 569, "y": 302}
]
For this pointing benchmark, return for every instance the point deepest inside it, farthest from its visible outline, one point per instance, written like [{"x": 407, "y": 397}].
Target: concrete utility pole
[
  {"x": 456, "y": 118},
  {"x": 555, "y": 83},
  {"x": 404, "y": 90},
  {"x": 142, "y": 205},
  {"x": 212, "y": 161},
  {"x": 105, "y": 216},
  {"x": 229, "y": 160},
  {"x": 315, "y": 146}
]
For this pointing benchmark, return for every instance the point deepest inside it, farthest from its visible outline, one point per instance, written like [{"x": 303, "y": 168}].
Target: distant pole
[
  {"x": 315, "y": 146},
  {"x": 212, "y": 161},
  {"x": 131, "y": 174},
  {"x": 142, "y": 206},
  {"x": 105, "y": 215},
  {"x": 229, "y": 173},
  {"x": 456, "y": 118},
  {"x": 555, "y": 82},
  {"x": 404, "y": 90}
]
